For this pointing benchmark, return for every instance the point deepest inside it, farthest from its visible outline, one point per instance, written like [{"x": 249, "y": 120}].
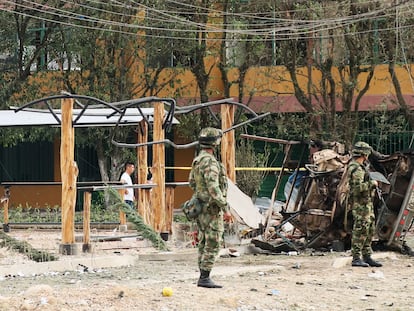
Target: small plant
[
  {"x": 98, "y": 199},
  {"x": 16, "y": 214},
  {"x": 56, "y": 214},
  {"x": 249, "y": 181},
  {"x": 53, "y": 214},
  {"x": 145, "y": 230},
  {"x": 25, "y": 248},
  {"x": 181, "y": 219}
]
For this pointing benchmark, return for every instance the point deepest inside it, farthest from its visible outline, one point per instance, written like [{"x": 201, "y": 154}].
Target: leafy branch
[
  {"x": 146, "y": 231},
  {"x": 25, "y": 248}
]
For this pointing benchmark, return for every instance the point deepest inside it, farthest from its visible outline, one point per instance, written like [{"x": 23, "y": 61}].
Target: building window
[
  {"x": 265, "y": 52},
  {"x": 52, "y": 55},
  {"x": 164, "y": 53}
]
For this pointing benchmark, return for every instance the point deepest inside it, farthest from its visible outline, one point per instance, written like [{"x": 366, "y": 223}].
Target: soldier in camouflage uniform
[
  {"x": 360, "y": 194},
  {"x": 209, "y": 182}
]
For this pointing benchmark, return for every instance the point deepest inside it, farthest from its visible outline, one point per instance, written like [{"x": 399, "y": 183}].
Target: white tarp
[
  {"x": 91, "y": 117},
  {"x": 243, "y": 208}
]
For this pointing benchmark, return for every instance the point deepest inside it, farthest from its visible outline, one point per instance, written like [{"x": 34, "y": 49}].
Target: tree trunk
[
  {"x": 400, "y": 98},
  {"x": 102, "y": 162}
]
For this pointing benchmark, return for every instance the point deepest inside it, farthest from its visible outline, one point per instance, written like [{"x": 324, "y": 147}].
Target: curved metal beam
[
  {"x": 65, "y": 95},
  {"x": 137, "y": 103},
  {"x": 185, "y": 146}
]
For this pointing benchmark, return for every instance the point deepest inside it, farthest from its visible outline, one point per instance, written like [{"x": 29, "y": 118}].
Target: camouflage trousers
[
  {"x": 210, "y": 237},
  {"x": 363, "y": 229}
]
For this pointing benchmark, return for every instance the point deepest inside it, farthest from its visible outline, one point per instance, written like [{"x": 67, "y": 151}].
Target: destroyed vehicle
[{"x": 316, "y": 205}]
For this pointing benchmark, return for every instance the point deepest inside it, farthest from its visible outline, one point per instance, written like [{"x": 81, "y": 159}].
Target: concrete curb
[
  {"x": 67, "y": 264},
  {"x": 74, "y": 263},
  {"x": 175, "y": 256}
]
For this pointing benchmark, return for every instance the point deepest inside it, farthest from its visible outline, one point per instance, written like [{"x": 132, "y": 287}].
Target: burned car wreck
[{"x": 316, "y": 203}]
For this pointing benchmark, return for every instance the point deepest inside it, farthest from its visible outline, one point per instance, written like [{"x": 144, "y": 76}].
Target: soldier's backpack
[{"x": 192, "y": 208}]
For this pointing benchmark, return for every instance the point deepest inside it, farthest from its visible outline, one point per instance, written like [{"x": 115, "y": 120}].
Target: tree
[
  {"x": 24, "y": 53},
  {"x": 330, "y": 66},
  {"x": 323, "y": 50},
  {"x": 396, "y": 45},
  {"x": 350, "y": 58},
  {"x": 90, "y": 58}
]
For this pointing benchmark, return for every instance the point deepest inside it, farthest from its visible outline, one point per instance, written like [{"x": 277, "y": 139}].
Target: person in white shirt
[{"x": 126, "y": 179}]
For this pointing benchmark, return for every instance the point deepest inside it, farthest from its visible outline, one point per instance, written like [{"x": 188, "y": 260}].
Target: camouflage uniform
[
  {"x": 208, "y": 180},
  {"x": 209, "y": 183},
  {"x": 361, "y": 188}
]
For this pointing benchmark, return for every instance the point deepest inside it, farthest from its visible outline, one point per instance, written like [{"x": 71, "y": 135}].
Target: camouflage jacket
[
  {"x": 208, "y": 180},
  {"x": 360, "y": 185}
]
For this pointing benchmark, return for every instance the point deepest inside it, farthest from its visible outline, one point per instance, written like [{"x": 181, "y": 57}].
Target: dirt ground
[{"x": 306, "y": 281}]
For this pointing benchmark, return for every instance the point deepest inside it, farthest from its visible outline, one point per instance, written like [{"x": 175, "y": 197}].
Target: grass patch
[
  {"x": 28, "y": 214},
  {"x": 25, "y": 248}
]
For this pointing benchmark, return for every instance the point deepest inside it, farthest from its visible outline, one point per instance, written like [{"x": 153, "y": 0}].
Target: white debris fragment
[{"x": 377, "y": 274}]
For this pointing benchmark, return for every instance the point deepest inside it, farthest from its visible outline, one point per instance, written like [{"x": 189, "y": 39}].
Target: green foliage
[
  {"x": 146, "y": 231},
  {"x": 29, "y": 214},
  {"x": 10, "y": 137},
  {"x": 25, "y": 248},
  {"x": 288, "y": 126},
  {"x": 249, "y": 181},
  {"x": 181, "y": 219},
  {"x": 98, "y": 200},
  {"x": 192, "y": 123},
  {"x": 103, "y": 58},
  {"x": 386, "y": 131},
  {"x": 53, "y": 214},
  {"x": 189, "y": 126}
]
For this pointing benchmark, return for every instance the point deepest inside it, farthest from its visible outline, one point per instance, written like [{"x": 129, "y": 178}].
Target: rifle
[{"x": 383, "y": 206}]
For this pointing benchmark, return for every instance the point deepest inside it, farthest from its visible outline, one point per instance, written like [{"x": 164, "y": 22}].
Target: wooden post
[
  {"x": 122, "y": 216},
  {"x": 5, "y": 210},
  {"x": 158, "y": 171},
  {"x": 6, "y": 227},
  {"x": 148, "y": 213},
  {"x": 69, "y": 174},
  {"x": 228, "y": 151},
  {"x": 169, "y": 193},
  {"x": 87, "y": 196},
  {"x": 142, "y": 155}
]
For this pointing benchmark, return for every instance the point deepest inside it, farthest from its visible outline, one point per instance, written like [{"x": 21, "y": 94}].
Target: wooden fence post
[
  {"x": 228, "y": 151},
  {"x": 158, "y": 171},
  {"x": 87, "y": 196},
  {"x": 122, "y": 216},
  {"x": 69, "y": 174},
  {"x": 5, "y": 202},
  {"x": 142, "y": 154},
  {"x": 169, "y": 213}
]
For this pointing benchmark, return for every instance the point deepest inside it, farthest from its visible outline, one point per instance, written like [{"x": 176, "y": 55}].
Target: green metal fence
[{"x": 387, "y": 132}]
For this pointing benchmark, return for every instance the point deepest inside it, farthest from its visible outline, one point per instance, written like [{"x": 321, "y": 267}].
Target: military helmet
[
  {"x": 210, "y": 137},
  {"x": 361, "y": 149}
]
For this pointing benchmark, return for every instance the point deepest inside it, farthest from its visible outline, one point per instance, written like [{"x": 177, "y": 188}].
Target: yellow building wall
[
  {"x": 183, "y": 159},
  {"x": 34, "y": 196},
  {"x": 257, "y": 80},
  {"x": 276, "y": 94}
]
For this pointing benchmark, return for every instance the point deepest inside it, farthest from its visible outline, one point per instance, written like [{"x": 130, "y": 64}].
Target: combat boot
[
  {"x": 205, "y": 281},
  {"x": 358, "y": 262},
  {"x": 372, "y": 262}
]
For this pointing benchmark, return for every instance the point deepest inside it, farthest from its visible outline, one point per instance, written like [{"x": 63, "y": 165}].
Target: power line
[
  {"x": 280, "y": 12},
  {"x": 88, "y": 18},
  {"x": 282, "y": 32},
  {"x": 282, "y": 22}
]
